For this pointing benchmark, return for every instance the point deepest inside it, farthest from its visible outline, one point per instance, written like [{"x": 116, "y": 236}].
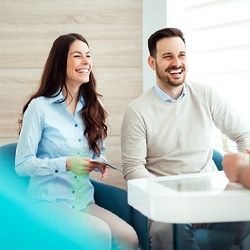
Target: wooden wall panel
[{"x": 114, "y": 32}]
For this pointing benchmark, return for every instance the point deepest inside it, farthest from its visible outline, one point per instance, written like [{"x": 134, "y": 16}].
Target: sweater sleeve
[
  {"x": 228, "y": 121},
  {"x": 134, "y": 146}
]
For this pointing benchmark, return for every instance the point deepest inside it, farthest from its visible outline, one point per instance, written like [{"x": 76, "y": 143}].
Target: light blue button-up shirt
[
  {"x": 166, "y": 98},
  {"x": 50, "y": 134}
]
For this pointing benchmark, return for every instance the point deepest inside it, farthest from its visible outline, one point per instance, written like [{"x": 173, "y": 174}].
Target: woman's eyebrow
[
  {"x": 75, "y": 52},
  {"x": 88, "y": 52}
]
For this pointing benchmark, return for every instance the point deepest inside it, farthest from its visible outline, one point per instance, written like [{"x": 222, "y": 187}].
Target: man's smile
[{"x": 175, "y": 71}]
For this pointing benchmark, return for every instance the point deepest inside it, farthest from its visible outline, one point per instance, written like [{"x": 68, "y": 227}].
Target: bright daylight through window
[{"x": 218, "y": 48}]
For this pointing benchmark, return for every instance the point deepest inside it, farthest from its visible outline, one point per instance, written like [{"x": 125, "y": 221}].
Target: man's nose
[{"x": 176, "y": 61}]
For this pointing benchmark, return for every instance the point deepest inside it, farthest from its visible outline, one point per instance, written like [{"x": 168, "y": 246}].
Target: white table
[{"x": 192, "y": 198}]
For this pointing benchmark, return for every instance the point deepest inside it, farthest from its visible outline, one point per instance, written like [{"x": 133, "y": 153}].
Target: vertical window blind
[{"x": 218, "y": 48}]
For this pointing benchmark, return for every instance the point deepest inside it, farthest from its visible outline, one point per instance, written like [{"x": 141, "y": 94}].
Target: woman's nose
[{"x": 85, "y": 60}]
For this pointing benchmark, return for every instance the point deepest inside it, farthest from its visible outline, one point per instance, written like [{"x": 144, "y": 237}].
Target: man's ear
[{"x": 151, "y": 62}]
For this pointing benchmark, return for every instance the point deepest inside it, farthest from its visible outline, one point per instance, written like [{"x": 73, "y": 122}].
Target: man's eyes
[{"x": 169, "y": 56}]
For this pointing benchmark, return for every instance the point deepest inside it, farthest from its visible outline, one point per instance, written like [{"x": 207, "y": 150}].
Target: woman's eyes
[{"x": 78, "y": 56}]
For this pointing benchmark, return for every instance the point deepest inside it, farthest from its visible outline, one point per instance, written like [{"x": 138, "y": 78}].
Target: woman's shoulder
[
  {"x": 39, "y": 104},
  {"x": 41, "y": 100}
]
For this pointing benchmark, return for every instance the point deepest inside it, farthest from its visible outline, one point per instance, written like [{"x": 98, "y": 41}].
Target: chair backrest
[
  {"x": 7, "y": 165},
  {"x": 9, "y": 178},
  {"x": 218, "y": 158}
]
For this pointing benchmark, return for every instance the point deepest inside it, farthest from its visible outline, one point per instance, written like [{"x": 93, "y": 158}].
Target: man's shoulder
[
  {"x": 143, "y": 99},
  {"x": 198, "y": 88},
  {"x": 197, "y": 85}
]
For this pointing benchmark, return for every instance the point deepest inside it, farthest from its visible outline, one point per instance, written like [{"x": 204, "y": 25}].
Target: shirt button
[
  {"x": 73, "y": 191},
  {"x": 75, "y": 176},
  {"x": 76, "y": 125},
  {"x": 79, "y": 140},
  {"x": 56, "y": 171}
]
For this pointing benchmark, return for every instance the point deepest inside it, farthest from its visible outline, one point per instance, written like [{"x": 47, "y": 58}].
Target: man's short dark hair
[{"x": 163, "y": 33}]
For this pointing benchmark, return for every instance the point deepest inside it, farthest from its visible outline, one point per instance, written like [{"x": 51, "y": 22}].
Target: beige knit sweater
[{"x": 160, "y": 138}]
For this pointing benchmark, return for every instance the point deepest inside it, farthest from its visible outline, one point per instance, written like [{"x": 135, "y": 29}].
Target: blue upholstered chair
[
  {"x": 21, "y": 228},
  {"x": 218, "y": 158},
  {"x": 16, "y": 232}
]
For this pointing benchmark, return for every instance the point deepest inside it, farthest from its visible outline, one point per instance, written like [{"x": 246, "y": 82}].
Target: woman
[
  {"x": 61, "y": 129},
  {"x": 237, "y": 169}
]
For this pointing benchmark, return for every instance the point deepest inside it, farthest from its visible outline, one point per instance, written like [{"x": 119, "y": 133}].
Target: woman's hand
[
  {"x": 233, "y": 164},
  {"x": 80, "y": 165},
  {"x": 83, "y": 165},
  {"x": 103, "y": 170}
]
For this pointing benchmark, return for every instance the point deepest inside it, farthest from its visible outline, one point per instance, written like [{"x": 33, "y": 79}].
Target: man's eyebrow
[
  {"x": 166, "y": 54},
  {"x": 170, "y": 53}
]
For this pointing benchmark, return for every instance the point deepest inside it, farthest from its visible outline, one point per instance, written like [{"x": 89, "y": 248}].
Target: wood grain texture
[{"x": 114, "y": 32}]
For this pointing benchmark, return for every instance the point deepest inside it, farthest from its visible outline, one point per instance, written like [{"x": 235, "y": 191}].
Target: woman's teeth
[{"x": 83, "y": 71}]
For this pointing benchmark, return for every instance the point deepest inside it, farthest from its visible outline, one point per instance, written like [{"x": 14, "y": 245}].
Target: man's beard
[{"x": 165, "y": 79}]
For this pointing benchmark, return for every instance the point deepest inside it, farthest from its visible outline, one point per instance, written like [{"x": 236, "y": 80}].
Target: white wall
[{"x": 154, "y": 17}]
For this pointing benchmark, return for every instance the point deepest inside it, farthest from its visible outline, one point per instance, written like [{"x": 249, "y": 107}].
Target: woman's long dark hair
[{"x": 54, "y": 79}]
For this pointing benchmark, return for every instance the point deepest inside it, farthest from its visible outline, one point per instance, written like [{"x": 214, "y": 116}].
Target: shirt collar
[
  {"x": 60, "y": 98},
  {"x": 166, "y": 98}
]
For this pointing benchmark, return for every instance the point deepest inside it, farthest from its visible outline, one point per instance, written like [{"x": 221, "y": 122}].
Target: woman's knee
[
  {"x": 99, "y": 234},
  {"x": 131, "y": 239}
]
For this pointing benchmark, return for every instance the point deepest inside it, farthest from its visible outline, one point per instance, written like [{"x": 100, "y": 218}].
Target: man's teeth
[{"x": 175, "y": 71}]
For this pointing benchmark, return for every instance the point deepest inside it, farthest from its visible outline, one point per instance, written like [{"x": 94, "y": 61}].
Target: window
[{"x": 218, "y": 47}]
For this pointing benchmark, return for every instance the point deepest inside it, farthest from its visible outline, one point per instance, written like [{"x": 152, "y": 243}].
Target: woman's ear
[{"x": 151, "y": 62}]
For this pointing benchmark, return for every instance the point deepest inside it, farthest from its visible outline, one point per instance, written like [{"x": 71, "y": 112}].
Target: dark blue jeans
[{"x": 212, "y": 236}]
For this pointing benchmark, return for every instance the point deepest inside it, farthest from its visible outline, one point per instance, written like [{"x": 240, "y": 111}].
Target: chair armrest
[
  {"x": 9, "y": 177},
  {"x": 218, "y": 158},
  {"x": 140, "y": 224},
  {"x": 113, "y": 199}
]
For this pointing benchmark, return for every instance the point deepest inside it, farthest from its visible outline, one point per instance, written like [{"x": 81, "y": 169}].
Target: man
[{"x": 167, "y": 130}]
